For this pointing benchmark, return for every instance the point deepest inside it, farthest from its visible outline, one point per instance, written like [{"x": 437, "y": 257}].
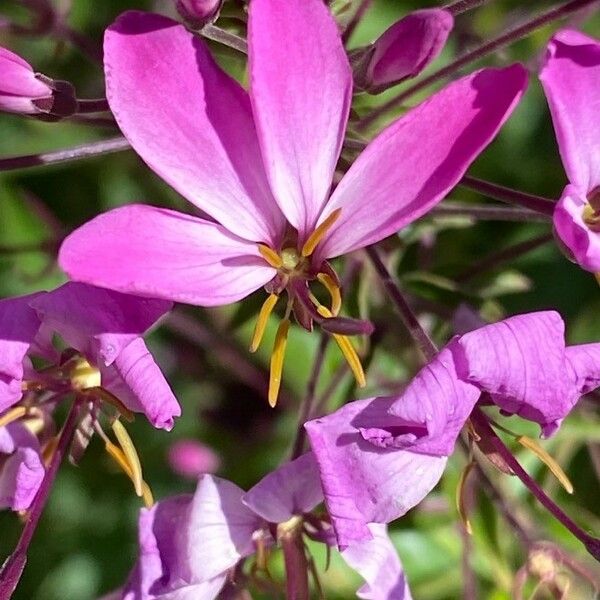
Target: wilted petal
[
  {"x": 164, "y": 254},
  {"x": 301, "y": 88},
  {"x": 571, "y": 80},
  {"x": 521, "y": 361},
  {"x": 407, "y": 47},
  {"x": 413, "y": 163},
  {"x": 189, "y": 121},
  {"x": 364, "y": 483},
  {"x": 376, "y": 560},
  {"x": 585, "y": 362},
  {"x": 582, "y": 243},
  {"x": 136, "y": 379},
  {"x": 99, "y": 323},
  {"x": 292, "y": 489}
]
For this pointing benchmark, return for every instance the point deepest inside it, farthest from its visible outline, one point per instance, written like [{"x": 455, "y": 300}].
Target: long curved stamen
[
  {"x": 460, "y": 499},
  {"x": 334, "y": 292},
  {"x": 12, "y": 415},
  {"x": 117, "y": 455},
  {"x": 131, "y": 455},
  {"x": 276, "y": 368},
  {"x": 261, "y": 323},
  {"x": 270, "y": 256},
  {"x": 317, "y": 235}
]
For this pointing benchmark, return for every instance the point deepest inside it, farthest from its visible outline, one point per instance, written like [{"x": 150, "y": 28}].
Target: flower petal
[
  {"x": 301, "y": 89},
  {"x": 99, "y": 323},
  {"x": 585, "y": 362},
  {"x": 377, "y": 561},
  {"x": 413, "y": 163},
  {"x": 363, "y": 483},
  {"x": 189, "y": 121},
  {"x": 136, "y": 379},
  {"x": 292, "y": 489},
  {"x": 164, "y": 254},
  {"x": 582, "y": 244},
  {"x": 571, "y": 80}
]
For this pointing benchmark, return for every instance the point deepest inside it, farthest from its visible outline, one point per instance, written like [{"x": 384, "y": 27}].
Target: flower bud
[
  {"x": 199, "y": 12},
  {"x": 403, "y": 50},
  {"x": 25, "y": 92}
]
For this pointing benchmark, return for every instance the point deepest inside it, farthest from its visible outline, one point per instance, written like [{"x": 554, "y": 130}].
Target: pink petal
[
  {"x": 292, "y": 489},
  {"x": 99, "y": 323},
  {"x": 190, "y": 122},
  {"x": 20, "y": 479},
  {"x": 581, "y": 243},
  {"x": 571, "y": 80},
  {"x": 377, "y": 562},
  {"x": 585, "y": 362},
  {"x": 138, "y": 382},
  {"x": 301, "y": 88},
  {"x": 408, "y": 46},
  {"x": 413, "y": 163},
  {"x": 164, "y": 254}
]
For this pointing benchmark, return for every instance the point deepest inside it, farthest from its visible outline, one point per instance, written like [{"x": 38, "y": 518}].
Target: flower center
[
  {"x": 290, "y": 259},
  {"x": 591, "y": 218}
]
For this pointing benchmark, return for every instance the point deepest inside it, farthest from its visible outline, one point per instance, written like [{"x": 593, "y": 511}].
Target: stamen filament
[
  {"x": 131, "y": 455},
  {"x": 270, "y": 256},
  {"x": 460, "y": 498},
  {"x": 105, "y": 395},
  {"x": 12, "y": 415},
  {"x": 261, "y": 323},
  {"x": 276, "y": 368},
  {"x": 334, "y": 292},
  {"x": 317, "y": 235},
  {"x": 554, "y": 467},
  {"x": 117, "y": 455}
]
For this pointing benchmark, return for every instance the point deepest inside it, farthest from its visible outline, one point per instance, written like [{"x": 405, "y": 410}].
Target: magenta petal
[
  {"x": 136, "y": 379},
  {"x": 413, "y": 163},
  {"x": 292, "y": 489},
  {"x": 189, "y": 121},
  {"x": 582, "y": 244},
  {"x": 164, "y": 254},
  {"x": 571, "y": 80},
  {"x": 407, "y": 47},
  {"x": 377, "y": 562},
  {"x": 300, "y": 88},
  {"x": 521, "y": 361},
  {"x": 99, "y": 323},
  {"x": 585, "y": 362},
  {"x": 363, "y": 483}
]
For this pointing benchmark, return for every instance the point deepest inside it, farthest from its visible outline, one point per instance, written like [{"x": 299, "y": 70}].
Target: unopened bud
[
  {"x": 403, "y": 50},
  {"x": 199, "y": 12}
]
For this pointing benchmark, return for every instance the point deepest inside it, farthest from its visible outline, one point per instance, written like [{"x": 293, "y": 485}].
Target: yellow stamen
[
  {"x": 129, "y": 451},
  {"x": 334, "y": 292},
  {"x": 277, "y": 361},
  {"x": 117, "y": 455},
  {"x": 270, "y": 256},
  {"x": 554, "y": 467},
  {"x": 84, "y": 376},
  {"x": 12, "y": 415},
  {"x": 460, "y": 498},
  {"x": 261, "y": 323},
  {"x": 317, "y": 235},
  {"x": 49, "y": 449},
  {"x": 106, "y": 396}
]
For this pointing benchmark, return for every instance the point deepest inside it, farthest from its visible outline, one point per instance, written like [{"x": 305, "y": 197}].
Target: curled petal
[{"x": 585, "y": 362}]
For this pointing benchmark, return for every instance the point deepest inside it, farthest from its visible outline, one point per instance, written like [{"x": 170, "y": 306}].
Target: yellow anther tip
[{"x": 319, "y": 233}]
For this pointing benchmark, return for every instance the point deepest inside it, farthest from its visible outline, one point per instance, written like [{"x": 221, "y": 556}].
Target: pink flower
[
  {"x": 190, "y": 458},
  {"x": 261, "y": 165},
  {"x": 199, "y": 12},
  {"x": 571, "y": 80}
]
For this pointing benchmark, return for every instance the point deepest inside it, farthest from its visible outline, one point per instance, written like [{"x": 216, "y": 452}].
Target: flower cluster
[{"x": 279, "y": 196}]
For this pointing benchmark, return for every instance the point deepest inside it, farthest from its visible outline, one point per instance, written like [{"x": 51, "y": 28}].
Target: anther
[
  {"x": 131, "y": 455},
  {"x": 84, "y": 376},
  {"x": 12, "y": 415},
  {"x": 270, "y": 256},
  {"x": 319, "y": 233},
  {"x": 276, "y": 368},
  {"x": 261, "y": 323},
  {"x": 334, "y": 292},
  {"x": 117, "y": 455}
]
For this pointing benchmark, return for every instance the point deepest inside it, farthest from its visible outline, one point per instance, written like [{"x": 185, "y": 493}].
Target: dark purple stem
[
  {"x": 535, "y": 203},
  {"x": 461, "y": 6},
  {"x": 356, "y": 19},
  {"x": 591, "y": 543},
  {"x": 117, "y": 144},
  {"x": 508, "y": 37},
  {"x": 13, "y": 567},
  {"x": 92, "y": 105},
  {"x": 486, "y": 212}
]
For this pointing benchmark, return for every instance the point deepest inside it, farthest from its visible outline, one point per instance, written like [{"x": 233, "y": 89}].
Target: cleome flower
[{"x": 261, "y": 163}]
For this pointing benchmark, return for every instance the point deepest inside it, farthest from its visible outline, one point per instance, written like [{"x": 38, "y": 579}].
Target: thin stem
[
  {"x": 92, "y": 105},
  {"x": 508, "y": 37},
  {"x": 336, "y": 380},
  {"x": 226, "y": 38},
  {"x": 13, "y": 567},
  {"x": 485, "y": 212},
  {"x": 461, "y": 6},
  {"x": 535, "y": 203},
  {"x": 116, "y": 144},
  {"x": 591, "y": 543},
  {"x": 356, "y": 19},
  {"x": 409, "y": 319}
]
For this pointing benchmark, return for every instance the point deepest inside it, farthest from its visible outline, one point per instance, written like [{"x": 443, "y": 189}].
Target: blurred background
[{"x": 86, "y": 542}]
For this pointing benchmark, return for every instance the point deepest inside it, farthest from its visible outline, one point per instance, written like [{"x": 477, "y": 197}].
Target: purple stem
[
  {"x": 92, "y": 105},
  {"x": 486, "y": 212},
  {"x": 461, "y": 6},
  {"x": 508, "y": 37},
  {"x": 591, "y": 543},
  {"x": 13, "y": 567},
  {"x": 356, "y": 19}
]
